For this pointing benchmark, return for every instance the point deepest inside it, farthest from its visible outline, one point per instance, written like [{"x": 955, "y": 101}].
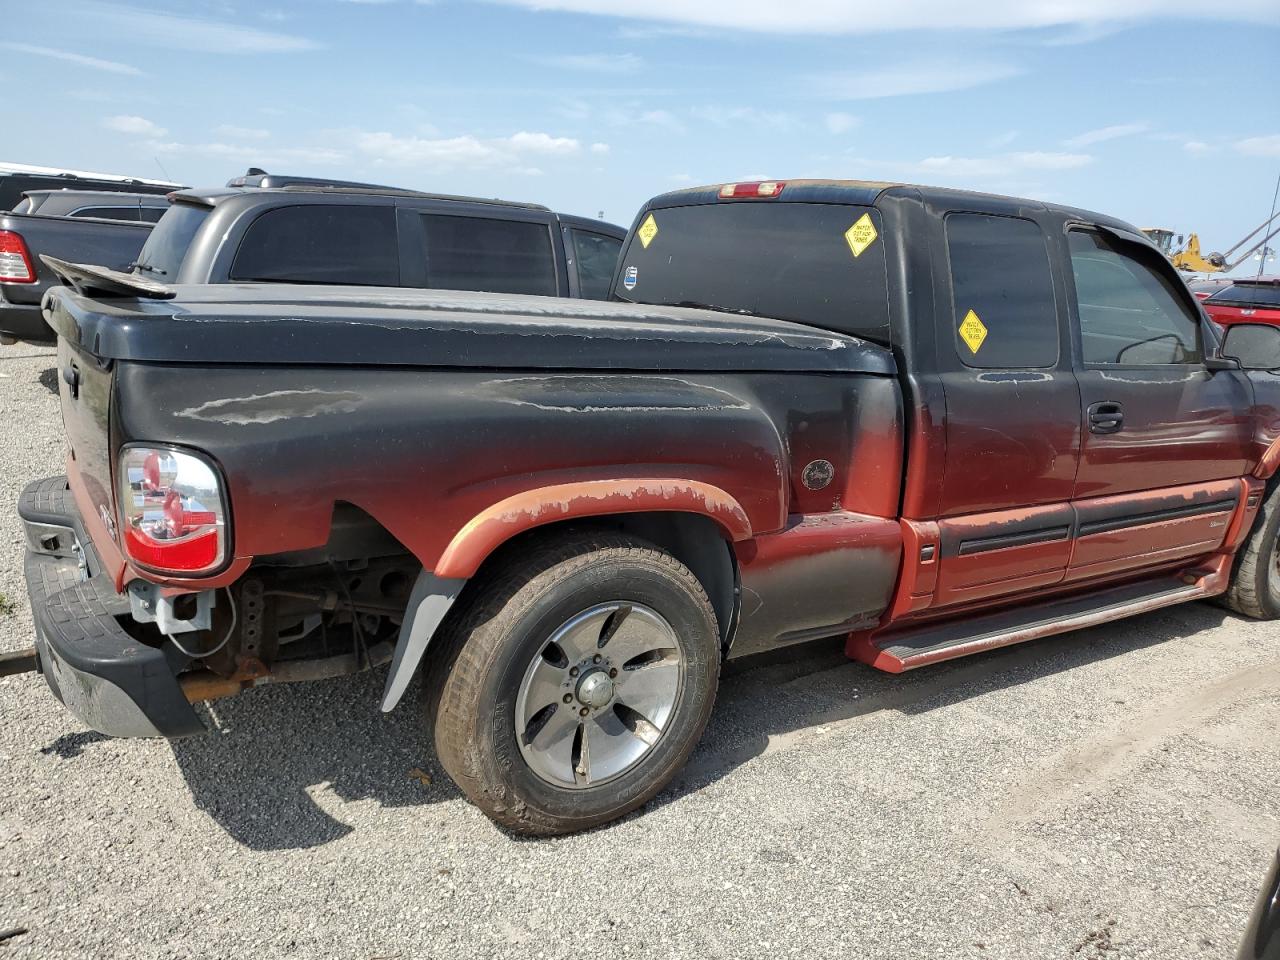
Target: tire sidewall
[
  {"x": 1267, "y": 586},
  {"x": 546, "y": 603}
]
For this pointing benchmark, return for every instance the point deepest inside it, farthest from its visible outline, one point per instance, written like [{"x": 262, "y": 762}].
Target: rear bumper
[
  {"x": 19, "y": 321},
  {"x": 108, "y": 679}
]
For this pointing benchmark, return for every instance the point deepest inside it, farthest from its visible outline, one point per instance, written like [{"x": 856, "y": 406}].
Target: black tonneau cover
[{"x": 291, "y": 324}]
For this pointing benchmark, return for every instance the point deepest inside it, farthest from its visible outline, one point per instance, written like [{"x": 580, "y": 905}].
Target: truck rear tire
[
  {"x": 573, "y": 686},
  {"x": 1255, "y": 581}
]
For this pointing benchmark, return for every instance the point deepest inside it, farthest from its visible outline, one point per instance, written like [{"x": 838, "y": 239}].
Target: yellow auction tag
[
  {"x": 648, "y": 230},
  {"x": 973, "y": 331},
  {"x": 861, "y": 235}
]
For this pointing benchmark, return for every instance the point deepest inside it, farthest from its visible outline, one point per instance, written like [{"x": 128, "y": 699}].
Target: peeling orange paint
[{"x": 524, "y": 511}]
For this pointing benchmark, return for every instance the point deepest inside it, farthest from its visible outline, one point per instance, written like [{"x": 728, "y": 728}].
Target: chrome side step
[{"x": 931, "y": 643}]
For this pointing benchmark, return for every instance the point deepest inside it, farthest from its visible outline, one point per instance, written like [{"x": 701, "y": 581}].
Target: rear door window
[
  {"x": 1130, "y": 311},
  {"x": 489, "y": 255},
  {"x": 1005, "y": 316},
  {"x": 151, "y": 214},
  {"x": 167, "y": 246},
  {"x": 595, "y": 257},
  {"x": 321, "y": 243}
]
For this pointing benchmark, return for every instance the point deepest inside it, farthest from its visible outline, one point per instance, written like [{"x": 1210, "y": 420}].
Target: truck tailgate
[{"x": 84, "y": 390}]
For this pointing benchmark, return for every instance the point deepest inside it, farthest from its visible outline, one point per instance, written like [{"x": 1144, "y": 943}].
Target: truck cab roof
[{"x": 869, "y": 193}]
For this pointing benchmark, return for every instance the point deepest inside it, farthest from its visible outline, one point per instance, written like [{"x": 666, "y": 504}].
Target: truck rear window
[
  {"x": 1248, "y": 295},
  {"x": 167, "y": 246},
  {"x": 791, "y": 261}
]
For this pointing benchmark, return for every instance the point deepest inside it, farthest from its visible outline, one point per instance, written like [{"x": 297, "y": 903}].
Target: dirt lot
[{"x": 1112, "y": 793}]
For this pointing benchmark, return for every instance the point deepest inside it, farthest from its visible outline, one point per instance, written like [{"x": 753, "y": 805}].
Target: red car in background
[
  {"x": 1255, "y": 300},
  {"x": 1205, "y": 288}
]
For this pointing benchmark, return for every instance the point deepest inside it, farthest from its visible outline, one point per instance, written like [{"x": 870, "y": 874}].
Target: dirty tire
[
  {"x": 484, "y": 652},
  {"x": 1255, "y": 581}
]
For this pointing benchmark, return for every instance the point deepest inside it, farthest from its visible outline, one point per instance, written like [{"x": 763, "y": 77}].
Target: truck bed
[{"x": 110, "y": 243}]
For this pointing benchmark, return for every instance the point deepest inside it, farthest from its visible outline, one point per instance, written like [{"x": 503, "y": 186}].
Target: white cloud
[
  {"x": 840, "y": 122},
  {"x": 1004, "y": 164},
  {"x": 930, "y": 76},
  {"x": 1196, "y": 146},
  {"x": 109, "y": 66},
  {"x": 595, "y": 62},
  {"x": 1103, "y": 134},
  {"x": 139, "y": 126},
  {"x": 842, "y": 16},
  {"x": 1268, "y": 146},
  {"x": 740, "y": 116},
  {"x": 440, "y": 153},
  {"x": 526, "y": 142},
  {"x": 600, "y": 149},
  {"x": 176, "y": 32},
  {"x": 241, "y": 133},
  {"x": 254, "y": 153}
]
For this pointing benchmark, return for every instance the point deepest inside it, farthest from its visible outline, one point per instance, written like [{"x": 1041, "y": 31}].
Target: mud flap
[{"x": 430, "y": 600}]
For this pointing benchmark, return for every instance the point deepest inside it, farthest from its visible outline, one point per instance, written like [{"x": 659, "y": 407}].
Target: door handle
[{"x": 1106, "y": 416}]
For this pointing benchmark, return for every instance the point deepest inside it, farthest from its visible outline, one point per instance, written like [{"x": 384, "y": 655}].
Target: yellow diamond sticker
[
  {"x": 648, "y": 230},
  {"x": 973, "y": 331},
  {"x": 861, "y": 235}
]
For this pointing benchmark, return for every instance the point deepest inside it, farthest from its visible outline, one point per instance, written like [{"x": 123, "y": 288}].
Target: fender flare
[
  {"x": 1268, "y": 462},
  {"x": 434, "y": 592},
  {"x": 590, "y": 498}
]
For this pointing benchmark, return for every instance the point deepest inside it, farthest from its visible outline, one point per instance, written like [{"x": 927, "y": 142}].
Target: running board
[{"x": 931, "y": 643}]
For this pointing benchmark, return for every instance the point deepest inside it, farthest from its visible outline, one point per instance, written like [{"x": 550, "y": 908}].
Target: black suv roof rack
[{"x": 415, "y": 194}]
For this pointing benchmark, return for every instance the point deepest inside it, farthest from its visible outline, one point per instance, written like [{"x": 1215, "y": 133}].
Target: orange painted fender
[{"x": 591, "y": 498}]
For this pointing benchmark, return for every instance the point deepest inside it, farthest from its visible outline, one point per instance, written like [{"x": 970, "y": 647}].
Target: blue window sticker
[{"x": 630, "y": 278}]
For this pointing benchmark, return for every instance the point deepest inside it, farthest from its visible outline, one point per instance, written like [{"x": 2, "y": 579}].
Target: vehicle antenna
[
  {"x": 162, "y": 169},
  {"x": 1262, "y": 255}
]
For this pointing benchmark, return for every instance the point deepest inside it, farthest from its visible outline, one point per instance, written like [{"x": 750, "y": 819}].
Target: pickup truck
[
  {"x": 24, "y": 237},
  {"x": 314, "y": 231},
  {"x": 928, "y": 421},
  {"x": 94, "y": 204},
  {"x": 18, "y": 178}
]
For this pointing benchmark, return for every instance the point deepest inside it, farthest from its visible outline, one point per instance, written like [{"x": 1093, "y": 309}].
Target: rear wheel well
[{"x": 694, "y": 540}]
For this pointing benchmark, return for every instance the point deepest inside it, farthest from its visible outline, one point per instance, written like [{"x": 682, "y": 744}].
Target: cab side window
[
  {"x": 489, "y": 255},
  {"x": 1005, "y": 316},
  {"x": 321, "y": 243},
  {"x": 1129, "y": 312},
  {"x": 596, "y": 258}
]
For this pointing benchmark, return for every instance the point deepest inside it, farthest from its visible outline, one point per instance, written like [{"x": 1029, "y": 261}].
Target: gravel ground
[{"x": 1107, "y": 794}]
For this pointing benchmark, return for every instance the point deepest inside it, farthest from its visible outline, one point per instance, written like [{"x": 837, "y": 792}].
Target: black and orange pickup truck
[{"x": 930, "y": 421}]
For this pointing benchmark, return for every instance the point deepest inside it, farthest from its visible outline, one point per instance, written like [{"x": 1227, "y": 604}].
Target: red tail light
[
  {"x": 15, "y": 259},
  {"x": 172, "y": 510},
  {"x": 764, "y": 190}
]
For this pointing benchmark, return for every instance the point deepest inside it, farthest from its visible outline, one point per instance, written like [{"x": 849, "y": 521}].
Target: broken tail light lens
[
  {"x": 172, "y": 510},
  {"x": 15, "y": 259}
]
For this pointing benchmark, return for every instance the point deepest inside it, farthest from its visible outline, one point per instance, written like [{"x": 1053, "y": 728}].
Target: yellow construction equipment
[{"x": 1188, "y": 257}]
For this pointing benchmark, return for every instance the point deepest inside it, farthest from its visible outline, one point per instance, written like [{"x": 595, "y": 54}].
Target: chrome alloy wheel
[{"x": 599, "y": 694}]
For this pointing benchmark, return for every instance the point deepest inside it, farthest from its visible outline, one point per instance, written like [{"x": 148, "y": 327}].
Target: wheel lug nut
[
  {"x": 568, "y": 698},
  {"x": 613, "y": 673},
  {"x": 596, "y": 659},
  {"x": 583, "y": 712},
  {"x": 573, "y": 671}
]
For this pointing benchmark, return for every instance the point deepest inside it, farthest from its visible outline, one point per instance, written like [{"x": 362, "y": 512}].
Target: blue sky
[{"x": 1163, "y": 112}]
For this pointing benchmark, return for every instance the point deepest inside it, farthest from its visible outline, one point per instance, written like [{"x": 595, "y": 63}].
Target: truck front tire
[
  {"x": 1255, "y": 580},
  {"x": 574, "y": 684}
]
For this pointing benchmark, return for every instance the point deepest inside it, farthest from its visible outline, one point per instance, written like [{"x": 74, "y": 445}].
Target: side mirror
[{"x": 1255, "y": 345}]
